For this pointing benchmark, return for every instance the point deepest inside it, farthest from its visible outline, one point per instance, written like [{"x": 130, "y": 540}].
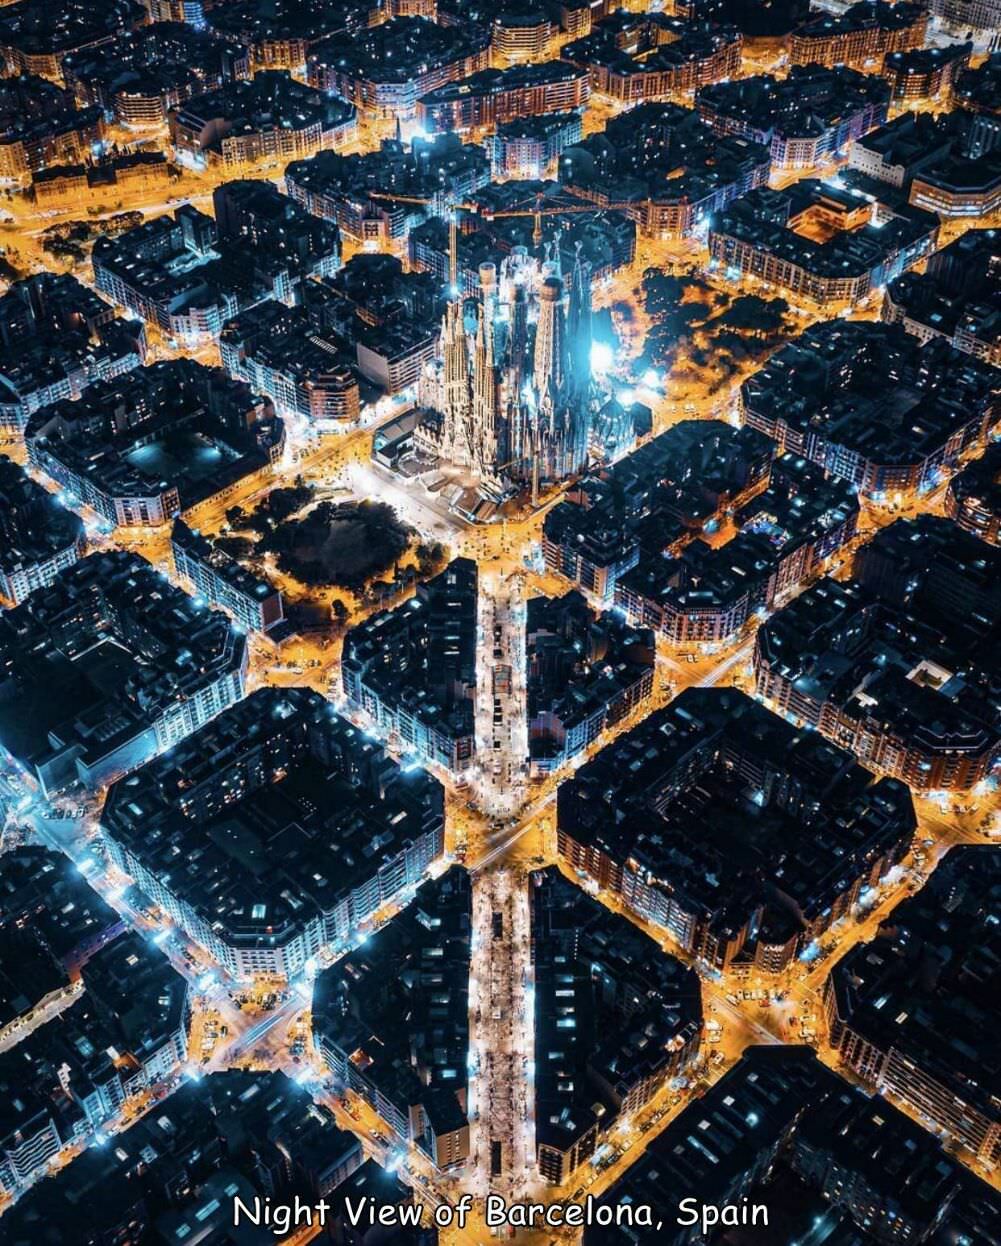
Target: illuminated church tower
[
  {"x": 457, "y": 438},
  {"x": 550, "y": 365},
  {"x": 485, "y": 396},
  {"x": 516, "y": 408}
]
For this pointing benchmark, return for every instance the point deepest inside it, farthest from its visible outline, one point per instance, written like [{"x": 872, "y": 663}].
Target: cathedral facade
[{"x": 510, "y": 398}]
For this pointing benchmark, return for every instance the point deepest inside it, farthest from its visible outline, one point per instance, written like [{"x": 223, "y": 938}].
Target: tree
[{"x": 755, "y": 315}]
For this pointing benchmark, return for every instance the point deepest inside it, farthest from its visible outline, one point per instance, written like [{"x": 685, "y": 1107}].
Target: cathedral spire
[
  {"x": 456, "y": 417},
  {"x": 485, "y": 394},
  {"x": 550, "y": 362}
]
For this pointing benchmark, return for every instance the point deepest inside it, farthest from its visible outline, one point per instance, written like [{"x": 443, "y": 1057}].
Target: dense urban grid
[{"x": 500, "y": 622}]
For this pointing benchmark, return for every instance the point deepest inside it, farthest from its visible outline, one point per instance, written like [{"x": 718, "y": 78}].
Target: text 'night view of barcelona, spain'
[{"x": 500, "y": 622}]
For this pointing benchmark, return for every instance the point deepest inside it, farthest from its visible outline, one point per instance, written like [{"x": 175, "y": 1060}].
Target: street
[{"x": 500, "y": 823}]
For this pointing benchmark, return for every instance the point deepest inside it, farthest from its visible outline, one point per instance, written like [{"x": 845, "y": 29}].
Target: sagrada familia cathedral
[{"x": 511, "y": 400}]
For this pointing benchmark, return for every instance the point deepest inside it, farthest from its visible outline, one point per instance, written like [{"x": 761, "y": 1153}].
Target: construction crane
[
  {"x": 537, "y": 212},
  {"x": 451, "y": 207}
]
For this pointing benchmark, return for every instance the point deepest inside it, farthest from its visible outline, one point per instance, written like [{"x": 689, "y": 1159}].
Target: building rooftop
[
  {"x": 797, "y": 225},
  {"x": 420, "y": 657},
  {"x": 578, "y": 665},
  {"x": 909, "y": 646},
  {"x": 927, "y": 986},
  {"x": 958, "y": 296},
  {"x": 872, "y": 389},
  {"x": 231, "y": 1134},
  {"x": 140, "y": 988},
  {"x": 222, "y": 564},
  {"x": 50, "y": 922},
  {"x": 923, "y": 61},
  {"x": 979, "y": 89},
  {"x": 612, "y": 1011},
  {"x": 33, "y": 524},
  {"x": 781, "y": 1130},
  {"x": 268, "y": 99},
  {"x": 496, "y": 81},
  {"x": 95, "y": 660},
  {"x": 905, "y": 675},
  {"x": 35, "y": 28},
  {"x": 56, "y": 338},
  {"x": 333, "y": 184},
  {"x": 157, "y": 57},
  {"x": 866, "y": 15},
  {"x": 539, "y": 128},
  {"x": 36, "y": 111},
  {"x": 803, "y": 105},
  {"x": 913, "y": 139},
  {"x": 270, "y": 816},
  {"x": 953, "y": 151},
  {"x": 716, "y": 760},
  {"x": 928, "y": 565},
  {"x": 176, "y": 424},
  {"x": 265, "y": 21},
  {"x": 386, "y": 1189},
  {"x": 656, "y": 43},
  {"x": 720, "y": 1138},
  {"x": 395, "y": 51},
  {"x": 397, "y": 1007},
  {"x": 296, "y": 342},
  {"x": 663, "y": 493},
  {"x": 978, "y": 487},
  {"x": 81, "y": 1064},
  {"x": 260, "y": 243},
  {"x": 801, "y": 508},
  {"x": 663, "y": 152}
]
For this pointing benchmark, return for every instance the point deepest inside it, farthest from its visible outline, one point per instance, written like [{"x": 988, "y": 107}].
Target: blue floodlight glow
[{"x": 602, "y": 357}]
